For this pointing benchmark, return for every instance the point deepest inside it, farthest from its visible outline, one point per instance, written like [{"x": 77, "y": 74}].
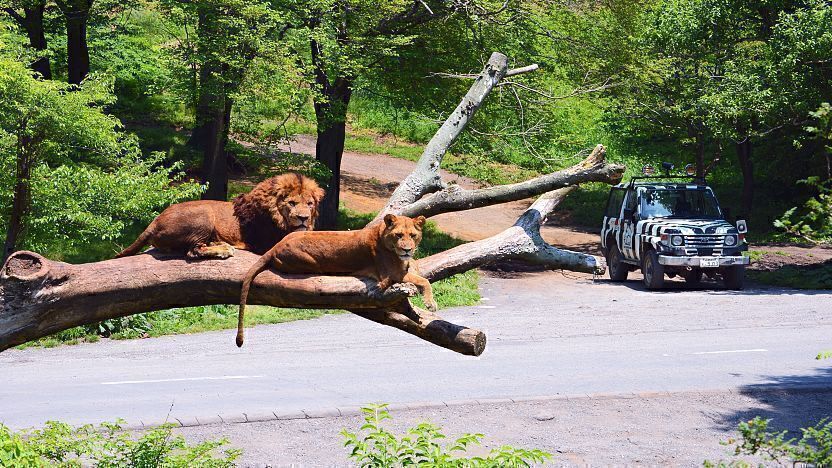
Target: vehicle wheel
[
  {"x": 652, "y": 270},
  {"x": 615, "y": 266},
  {"x": 733, "y": 277},
  {"x": 693, "y": 276}
]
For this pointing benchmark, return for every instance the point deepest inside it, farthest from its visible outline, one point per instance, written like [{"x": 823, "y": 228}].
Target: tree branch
[{"x": 453, "y": 198}]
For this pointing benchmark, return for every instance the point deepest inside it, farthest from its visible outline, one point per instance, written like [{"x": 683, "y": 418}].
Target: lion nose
[
  {"x": 303, "y": 217},
  {"x": 407, "y": 251}
]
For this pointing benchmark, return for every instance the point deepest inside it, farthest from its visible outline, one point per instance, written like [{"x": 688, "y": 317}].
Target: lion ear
[
  {"x": 318, "y": 194},
  {"x": 419, "y": 221},
  {"x": 390, "y": 219}
]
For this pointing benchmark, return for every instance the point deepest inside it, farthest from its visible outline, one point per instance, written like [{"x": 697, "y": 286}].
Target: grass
[
  {"x": 798, "y": 277},
  {"x": 459, "y": 290}
]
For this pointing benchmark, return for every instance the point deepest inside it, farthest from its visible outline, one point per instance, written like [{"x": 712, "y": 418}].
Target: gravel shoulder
[{"x": 681, "y": 429}]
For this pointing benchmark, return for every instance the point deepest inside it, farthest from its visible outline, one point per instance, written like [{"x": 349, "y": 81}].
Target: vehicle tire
[
  {"x": 693, "y": 277},
  {"x": 734, "y": 277},
  {"x": 615, "y": 265},
  {"x": 652, "y": 270}
]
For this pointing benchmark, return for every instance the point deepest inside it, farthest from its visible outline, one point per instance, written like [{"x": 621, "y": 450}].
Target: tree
[
  {"x": 41, "y": 297},
  {"x": 341, "y": 41},
  {"x": 28, "y": 14},
  {"x": 229, "y": 35},
  {"x": 61, "y": 146},
  {"x": 76, "y": 14},
  {"x": 735, "y": 71}
]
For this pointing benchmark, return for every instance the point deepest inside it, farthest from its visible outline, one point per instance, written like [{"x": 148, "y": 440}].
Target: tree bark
[
  {"x": 32, "y": 22},
  {"x": 215, "y": 157},
  {"x": 21, "y": 201},
  {"x": 40, "y": 297},
  {"x": 747, "y": 169},
  {"x": 331, "y": 118},
  {"x": 76, "y": 14}
]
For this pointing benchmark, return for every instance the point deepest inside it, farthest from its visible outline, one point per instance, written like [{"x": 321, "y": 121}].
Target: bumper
[{"x": 697, "y": 261}]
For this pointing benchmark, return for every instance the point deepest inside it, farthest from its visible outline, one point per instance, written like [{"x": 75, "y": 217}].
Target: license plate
[{"x": 709, "y": 262}]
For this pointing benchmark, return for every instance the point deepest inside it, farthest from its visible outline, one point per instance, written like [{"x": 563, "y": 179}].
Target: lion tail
[
  {"x": 261, "y": 264},
  {"x": 140, "y": 242}
]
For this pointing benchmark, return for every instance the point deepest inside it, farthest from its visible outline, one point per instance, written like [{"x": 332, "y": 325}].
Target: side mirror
[
  {"x": 628, "y": 214},
  {"x": 742, "y": 227}
]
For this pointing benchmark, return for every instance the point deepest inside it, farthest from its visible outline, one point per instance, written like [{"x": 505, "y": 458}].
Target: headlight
[
  {"x": 676, "y": 241},
  {"x": 730, "y": 240}
]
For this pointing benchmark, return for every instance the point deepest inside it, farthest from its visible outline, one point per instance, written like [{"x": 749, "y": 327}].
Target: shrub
[
  {"x": 105, "y": 446},
  {"x": 814, "y": 446},
  {"x": 377, "y": 447}
]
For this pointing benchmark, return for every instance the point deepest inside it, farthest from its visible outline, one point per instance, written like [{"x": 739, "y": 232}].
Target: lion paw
[
  {"x": 432, "y": 305},
  {"x": 408, "y": 289}
]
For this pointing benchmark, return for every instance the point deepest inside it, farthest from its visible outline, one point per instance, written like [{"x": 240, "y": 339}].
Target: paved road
[{"x": 548, "y": 334}]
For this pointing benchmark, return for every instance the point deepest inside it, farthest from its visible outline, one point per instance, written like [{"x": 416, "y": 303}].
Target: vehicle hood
[{"x": 690, "y": 226}]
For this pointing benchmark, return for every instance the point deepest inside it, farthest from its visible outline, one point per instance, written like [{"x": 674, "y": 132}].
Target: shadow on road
[
  {"x": 675, "y": 286},
  {"x": 791, "y": 402}
]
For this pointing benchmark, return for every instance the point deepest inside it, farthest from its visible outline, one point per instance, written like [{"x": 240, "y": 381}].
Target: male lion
[
  {"x": 254, "y": 221},
  {"x": 383, "y": 251}
]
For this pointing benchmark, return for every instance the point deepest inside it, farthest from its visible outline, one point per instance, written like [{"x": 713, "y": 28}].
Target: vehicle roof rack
[{"x": 696, "y": 180}]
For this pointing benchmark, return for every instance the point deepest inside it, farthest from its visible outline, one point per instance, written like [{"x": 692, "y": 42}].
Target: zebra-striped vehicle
[{"x": 671, "y": 228}]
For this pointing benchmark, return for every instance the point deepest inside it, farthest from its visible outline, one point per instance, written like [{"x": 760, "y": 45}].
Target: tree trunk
[
  {"x": 747, "y": 169},
  {"x": 331, "y": 119},
  {"x": 328, "y": 150},
  {"x": 700, "y": 154},
  {"x": 78, "y": 56},
  {"x": 32, "y": 23},
  {"x": 215, "y": 158},
  {"x": 21, "y": 201},
  {"x": 199, "y": 135}
]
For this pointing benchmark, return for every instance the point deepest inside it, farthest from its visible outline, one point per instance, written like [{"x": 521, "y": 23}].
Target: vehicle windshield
[{"x": 679, "y": 203}]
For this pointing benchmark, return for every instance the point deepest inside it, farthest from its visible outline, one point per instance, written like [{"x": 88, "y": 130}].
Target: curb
[{"x": 343, "y": 411}]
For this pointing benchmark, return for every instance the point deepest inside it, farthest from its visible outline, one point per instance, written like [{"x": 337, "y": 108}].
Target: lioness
[
  {"x": 254, "y": 221},
  {"x": 383, "y": 251}
]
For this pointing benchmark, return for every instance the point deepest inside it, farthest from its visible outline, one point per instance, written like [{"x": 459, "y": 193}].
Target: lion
[
  {"x": 254, "y": 221},
  {"x": 381, "y": 251}
]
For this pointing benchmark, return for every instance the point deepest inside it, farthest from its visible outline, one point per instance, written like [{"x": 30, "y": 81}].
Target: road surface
[{"x": 549, "y": 335}]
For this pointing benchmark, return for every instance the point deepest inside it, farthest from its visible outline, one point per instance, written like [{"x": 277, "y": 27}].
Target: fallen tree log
[{"x": 40, "y": 297}]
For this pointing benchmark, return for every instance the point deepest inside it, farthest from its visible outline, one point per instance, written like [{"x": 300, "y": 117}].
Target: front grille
[{"x": 705, "y": 241}]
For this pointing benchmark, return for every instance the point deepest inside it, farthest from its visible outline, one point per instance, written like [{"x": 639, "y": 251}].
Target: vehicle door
[
  {"x": 629, "y": 218},
  {"x": 612, "y": 217}
]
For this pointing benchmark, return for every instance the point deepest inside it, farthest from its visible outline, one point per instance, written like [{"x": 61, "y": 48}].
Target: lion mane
[{"x": 254, "y": 221}]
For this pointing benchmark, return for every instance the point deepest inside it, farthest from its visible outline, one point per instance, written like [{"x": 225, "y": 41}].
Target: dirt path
[{"x": 369, "y": 180}]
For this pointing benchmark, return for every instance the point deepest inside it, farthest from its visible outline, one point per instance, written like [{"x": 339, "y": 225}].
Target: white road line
[
  {"x": 734, "y": 351},
  {"x": 185, "y": 379}
]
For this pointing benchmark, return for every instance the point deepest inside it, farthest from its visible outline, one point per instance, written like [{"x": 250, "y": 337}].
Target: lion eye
[
  {"x": 291, "y": 203},
  {"x": 399, "y": 235}
]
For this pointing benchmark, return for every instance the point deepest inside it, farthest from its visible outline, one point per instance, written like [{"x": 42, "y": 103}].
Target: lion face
[
  {"x": 292, "y": 201},
  {"x": 402, "y": 235},
  {"x": 298, "y": 211}
]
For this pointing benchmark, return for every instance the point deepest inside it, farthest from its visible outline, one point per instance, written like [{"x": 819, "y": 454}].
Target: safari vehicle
[{"x": 671, "y": 225}]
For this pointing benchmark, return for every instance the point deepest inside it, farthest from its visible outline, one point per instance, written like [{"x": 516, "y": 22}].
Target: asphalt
[{"x": 551, "y": 335}]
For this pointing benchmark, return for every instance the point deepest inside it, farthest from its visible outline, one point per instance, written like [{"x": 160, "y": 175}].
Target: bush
[
  {"x": 107, "y": 445},
  {"x": 814, "y": 446},
  {"x": 377, "y": 447}
]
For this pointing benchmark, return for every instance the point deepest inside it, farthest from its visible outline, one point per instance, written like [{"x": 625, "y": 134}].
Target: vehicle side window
[
  {"x": 632, "y": 200},
  {"x": 614, "y": 203}
]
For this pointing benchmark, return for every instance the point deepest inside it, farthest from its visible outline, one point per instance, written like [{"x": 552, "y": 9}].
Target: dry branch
[{"x": 39, "y": 296}]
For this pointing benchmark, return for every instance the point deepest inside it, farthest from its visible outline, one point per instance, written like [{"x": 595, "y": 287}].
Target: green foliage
[
  {"x": 88, "y": 180},
  {"x": 108, "y": 445},
  {"x": 814, "y": 446},
  {"x": 814, "y": 223},
  {"x": 375, "y": 446}
]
